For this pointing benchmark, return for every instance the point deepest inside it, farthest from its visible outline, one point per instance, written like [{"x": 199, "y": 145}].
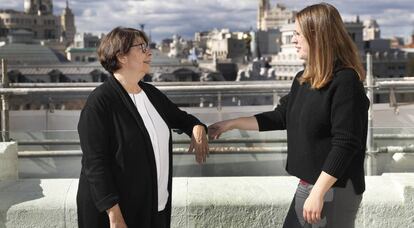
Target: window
[
  {"x": 91, "y": 59},
  {"x": 352, "y": 35},
  {"x": 289, "y": 39}
]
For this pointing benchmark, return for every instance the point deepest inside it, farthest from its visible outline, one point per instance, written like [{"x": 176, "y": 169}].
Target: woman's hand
[
  {"x": 116, "y": 220},
  {"x": 215, "y": 130},
  {"x": 312, "y": 207},
  {"x": 199, "y": 143}
]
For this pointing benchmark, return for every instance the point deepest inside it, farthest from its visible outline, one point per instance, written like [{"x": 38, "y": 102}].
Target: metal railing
[
  {"x": 76, "y": 142},
  {"x": 277, "y": 88}
]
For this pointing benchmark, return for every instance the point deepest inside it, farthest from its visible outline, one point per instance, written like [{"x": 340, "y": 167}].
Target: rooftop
[{"x": 20, "y": 54}]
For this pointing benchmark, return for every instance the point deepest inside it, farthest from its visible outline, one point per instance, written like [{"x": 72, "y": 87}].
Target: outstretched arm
[{"x": 241, "y": 123}]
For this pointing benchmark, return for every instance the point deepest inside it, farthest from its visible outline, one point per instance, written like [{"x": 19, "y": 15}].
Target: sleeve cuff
[
  {"x": 107, "y": 202},
  {"x": 337, "y": 161}
]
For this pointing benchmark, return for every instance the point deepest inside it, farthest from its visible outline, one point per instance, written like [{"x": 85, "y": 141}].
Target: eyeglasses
[
  {"x": 144, "y": 47},
  {"x": 296, "y": 34}
]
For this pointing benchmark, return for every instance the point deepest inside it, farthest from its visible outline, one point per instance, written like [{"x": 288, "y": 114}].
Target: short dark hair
[{"x": 117, "y": 41}]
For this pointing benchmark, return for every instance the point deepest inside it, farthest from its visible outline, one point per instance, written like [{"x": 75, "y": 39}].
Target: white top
[{"x": 160, "y": 135}]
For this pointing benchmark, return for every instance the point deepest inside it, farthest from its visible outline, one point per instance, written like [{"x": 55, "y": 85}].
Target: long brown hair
[{"x": 329, "y": 42}]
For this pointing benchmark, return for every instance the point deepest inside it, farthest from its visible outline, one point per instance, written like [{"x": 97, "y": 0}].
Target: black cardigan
[
  {"x": 326, "y": 128},
  {"x": 118, "y": 164}
]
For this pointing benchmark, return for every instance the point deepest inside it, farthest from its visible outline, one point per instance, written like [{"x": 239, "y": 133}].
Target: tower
[
  {"x": 39, "y": 7},
  {"x": 67, "y": 20},
  {"x": 371, "y": 30},
  {"x": 264, "y": 6}
]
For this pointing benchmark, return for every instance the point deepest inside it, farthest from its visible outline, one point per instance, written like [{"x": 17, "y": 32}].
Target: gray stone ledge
[
  {"x": 8, "y": 161},
  {"x": 209, "y": 202}
]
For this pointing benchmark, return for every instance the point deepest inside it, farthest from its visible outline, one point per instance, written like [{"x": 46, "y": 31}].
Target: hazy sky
[{"x": 163, "y": 18}]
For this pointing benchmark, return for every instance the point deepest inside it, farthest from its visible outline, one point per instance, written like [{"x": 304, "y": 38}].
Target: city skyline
[{"x": 163, "y": 18}]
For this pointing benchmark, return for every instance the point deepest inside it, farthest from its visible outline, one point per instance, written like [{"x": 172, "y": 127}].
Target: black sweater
[
  {"x": 118, "y": 163},
  {"x": 326, "y": 129}
]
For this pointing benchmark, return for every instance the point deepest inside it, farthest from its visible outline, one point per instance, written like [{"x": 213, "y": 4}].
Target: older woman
[
  {"x": 325, "y": 115},
  {"x": 125, "y": 133}
]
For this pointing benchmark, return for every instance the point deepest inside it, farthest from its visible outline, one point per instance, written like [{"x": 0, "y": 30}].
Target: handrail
[
  {"x": 220, "y": 150},
  {"x": 178, "y": 88},
  {"x": 217, "y": 141},
  {"x": 258, "y": 86}
]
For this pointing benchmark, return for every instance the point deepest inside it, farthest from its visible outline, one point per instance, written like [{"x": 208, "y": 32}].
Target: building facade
[
  {"x": 387, "y": 62},
  {"x": 226, "y": 45},
  {"x": 371, "y": 30},
  {"x": 273, "y": 18},
  {"x": 287, "y": 63},
  {"x": 38, "y": 18}
]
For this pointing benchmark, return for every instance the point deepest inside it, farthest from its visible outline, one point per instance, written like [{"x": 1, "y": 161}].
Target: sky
[{"x": 164, "y": 18}]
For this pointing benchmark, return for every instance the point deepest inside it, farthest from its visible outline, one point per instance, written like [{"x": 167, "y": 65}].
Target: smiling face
[
  {"x": 138, "y": 58},
  {"x": 301, "y": 45}
]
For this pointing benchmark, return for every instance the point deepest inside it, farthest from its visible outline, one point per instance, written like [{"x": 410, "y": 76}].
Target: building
[
  {"x": 377, "y": 45},
  {"x": 409, "y": 48},
  {"x": 20, "y": 54},
  {"x": 81, "y": 55},
  {"x": 273, "y": 18},
  {"x": 371, "y": 30},
  {"x": 225, "y": 45},
  {"x": 67, "y": 20},
  {"x": 387, "y": 62},
  {"x": 38, "y": 18},
  {"x": 355, "y": 30},
  {"x": 86, "y": 40},
  {"x": 20, "y": 36},
  {"x": 164, "y": 46},
  {"x": 397, "y": 42},
  {"x": 257, "y": 70},
  {"x": 201, "y": 38},
  {"x": 84, "y": 48},
  {"x": 179, "y": 48},
  {"x": 286, "y": 63},
  {"x": 267, "y": 42},
  {"x": 410, "y": 45},
  {"x": 50, "y": 69}
]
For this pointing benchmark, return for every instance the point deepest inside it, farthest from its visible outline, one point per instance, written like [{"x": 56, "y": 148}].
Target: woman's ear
[{"x": 122, "y": 59}]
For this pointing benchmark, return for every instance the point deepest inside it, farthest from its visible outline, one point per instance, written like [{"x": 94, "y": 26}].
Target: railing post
[
  {"x": 4, "y": 103},
  {"x": 275, "y": 98},
  {"x": 219, "y": 101},
  {"x": 370, "y": 134}
]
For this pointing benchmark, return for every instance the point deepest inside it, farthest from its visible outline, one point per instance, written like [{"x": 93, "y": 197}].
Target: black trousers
[{"x": 161, "y": 220}]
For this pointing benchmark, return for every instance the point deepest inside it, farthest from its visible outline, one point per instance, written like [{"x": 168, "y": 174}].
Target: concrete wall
[
  {"x": 8, "y": 161},
  {"x": 209, "y": 202}
]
